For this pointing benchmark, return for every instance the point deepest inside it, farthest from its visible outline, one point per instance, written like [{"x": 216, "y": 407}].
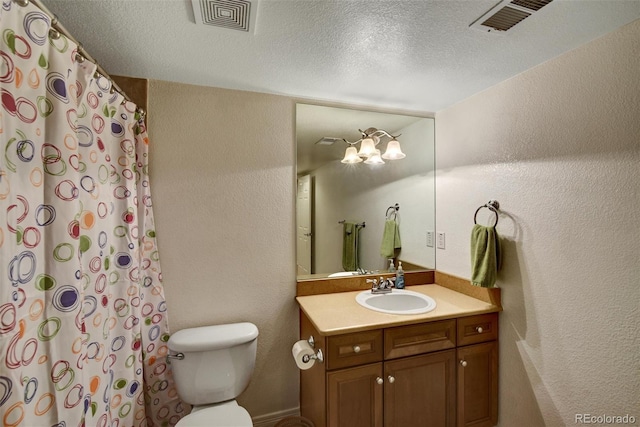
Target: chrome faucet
[
  {"x": 382, "y": 286},
  {"x": 362, "y": 271}
]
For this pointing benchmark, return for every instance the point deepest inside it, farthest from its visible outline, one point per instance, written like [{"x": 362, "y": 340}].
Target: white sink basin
[
  {"x": 400, "y": 301},
  {"x": 344, "y": 274}
]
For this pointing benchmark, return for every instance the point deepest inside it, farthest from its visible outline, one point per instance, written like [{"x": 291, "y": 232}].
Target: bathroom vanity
[{"x": 434, "y": 369}]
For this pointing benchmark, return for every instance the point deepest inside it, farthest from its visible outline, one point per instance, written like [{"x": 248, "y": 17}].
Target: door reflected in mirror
[{"x": 363, "y": 194}]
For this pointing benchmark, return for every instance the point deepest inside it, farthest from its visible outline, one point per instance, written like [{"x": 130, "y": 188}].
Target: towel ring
[
  {"x": 493, "y": 206},
  {"x": 394, "y": 210}
]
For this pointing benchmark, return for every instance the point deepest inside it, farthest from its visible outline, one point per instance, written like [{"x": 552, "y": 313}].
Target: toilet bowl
[
  {"x": 211, "y": 366},
  {"x": 228, "y": 414}
]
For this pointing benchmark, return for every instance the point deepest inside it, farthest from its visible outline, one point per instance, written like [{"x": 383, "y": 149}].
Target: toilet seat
[{"x": 228, "y": 414}]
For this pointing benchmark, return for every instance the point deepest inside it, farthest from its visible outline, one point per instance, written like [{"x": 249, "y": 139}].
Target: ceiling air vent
[
  {"x": 327, "y": 140},
  {"x": 232, "y": 14},
  {"x": 508, "y": 13}
]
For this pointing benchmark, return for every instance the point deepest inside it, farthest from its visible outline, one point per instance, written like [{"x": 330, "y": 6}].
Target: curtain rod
[{"x": 57, "y": 26}]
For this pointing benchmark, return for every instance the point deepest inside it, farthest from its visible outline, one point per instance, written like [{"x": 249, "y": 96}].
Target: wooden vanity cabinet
[
  {"x": 355, "y": 396},
  {"x": 478, "y": 371},
  {"x": 421, "y": 390},
  {"x": 404, "y": 376}
]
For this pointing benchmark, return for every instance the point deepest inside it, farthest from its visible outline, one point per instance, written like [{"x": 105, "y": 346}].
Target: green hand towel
[
  {"x": 485, "y": 256},
  {"x": 349, "y": 246},
  {"x": 390, "y": 239}
]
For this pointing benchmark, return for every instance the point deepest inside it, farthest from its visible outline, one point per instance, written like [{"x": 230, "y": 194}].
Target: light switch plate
[
  {"x": 430, "y": 239},
  {"x": 440, "y": 240}
]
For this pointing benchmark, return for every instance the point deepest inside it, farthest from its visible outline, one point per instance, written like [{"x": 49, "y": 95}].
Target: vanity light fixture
[{"x": 371, "y": 138}]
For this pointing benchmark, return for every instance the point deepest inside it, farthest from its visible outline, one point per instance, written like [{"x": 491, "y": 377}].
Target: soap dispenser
[
  {"x": 400, "y": 276},
  {"x": 392, "y": 268}
]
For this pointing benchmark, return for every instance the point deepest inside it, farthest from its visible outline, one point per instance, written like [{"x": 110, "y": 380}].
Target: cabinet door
[
  {"x": 478, "y": 385},
  {"x": 354, "y": 397},
  {"x": 421, "y": 391}
]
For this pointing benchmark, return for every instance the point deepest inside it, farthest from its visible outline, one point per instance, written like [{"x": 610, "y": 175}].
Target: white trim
[{"x": 270, "y": 420}]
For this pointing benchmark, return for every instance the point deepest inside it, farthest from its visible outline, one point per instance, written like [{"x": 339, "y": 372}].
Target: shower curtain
[{"x": 83, "y": 322}]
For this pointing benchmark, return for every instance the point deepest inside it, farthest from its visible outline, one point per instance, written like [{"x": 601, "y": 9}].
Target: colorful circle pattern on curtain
[{"x": 83, "y": 319}]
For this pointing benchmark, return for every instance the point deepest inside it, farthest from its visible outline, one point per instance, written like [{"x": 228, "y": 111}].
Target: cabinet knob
[
  {"x": 479, "y": 329},
  {"x": 463, "y": 363},
  {"x": 391, "y": 379},
  {"x": 356, "y": 349},
  {"x": 379, "y": 380}
]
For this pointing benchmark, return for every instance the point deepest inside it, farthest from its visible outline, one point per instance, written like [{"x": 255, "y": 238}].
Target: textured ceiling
[{"x": 411, "y": 55}]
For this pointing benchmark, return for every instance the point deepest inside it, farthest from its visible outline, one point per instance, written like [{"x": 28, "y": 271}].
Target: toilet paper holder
[{"x": 318, "y": 356}]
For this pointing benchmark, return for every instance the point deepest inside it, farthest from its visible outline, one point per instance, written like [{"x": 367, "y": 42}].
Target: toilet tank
[{"x": 218, "y": 361}]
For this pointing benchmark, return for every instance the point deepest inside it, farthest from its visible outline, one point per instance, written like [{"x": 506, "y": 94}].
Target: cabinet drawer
[
  {"x": 416, "y": 339},
  {"x": 354, "y": 349},
  {"x": 476, "y": 329}
]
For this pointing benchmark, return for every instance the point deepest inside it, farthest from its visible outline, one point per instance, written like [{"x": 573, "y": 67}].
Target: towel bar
[{"x": 360, "y": 224}]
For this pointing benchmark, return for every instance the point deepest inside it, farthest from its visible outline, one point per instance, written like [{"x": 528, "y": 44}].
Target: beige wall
[
  {"x": 559, "y": 147},
  {"x": 222, "y": 167}
]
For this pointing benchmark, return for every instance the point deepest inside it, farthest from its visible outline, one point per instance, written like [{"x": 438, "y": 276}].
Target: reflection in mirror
[{"x": 331, "y": 192}]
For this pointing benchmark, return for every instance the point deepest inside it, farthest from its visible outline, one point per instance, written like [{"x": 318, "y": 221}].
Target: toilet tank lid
[{"x": 214, "y": 337}]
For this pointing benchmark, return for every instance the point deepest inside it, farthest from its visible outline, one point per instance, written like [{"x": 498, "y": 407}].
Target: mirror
[{"x": 330, "y": 192}]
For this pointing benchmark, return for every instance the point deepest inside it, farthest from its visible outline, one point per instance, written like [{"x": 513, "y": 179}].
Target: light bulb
[
  {"x": 367, "y": 147},
  {"x": 351, "y": 156},
  {"x": 375, "y": 159},
  {"x": 393, "y": 151}
]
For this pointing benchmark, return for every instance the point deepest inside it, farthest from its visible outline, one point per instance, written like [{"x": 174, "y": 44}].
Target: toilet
[{"x": 211, "y": 366}]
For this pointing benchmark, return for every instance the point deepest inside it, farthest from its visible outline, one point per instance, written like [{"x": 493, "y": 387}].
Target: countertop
[{"x": 339, "y": 313}]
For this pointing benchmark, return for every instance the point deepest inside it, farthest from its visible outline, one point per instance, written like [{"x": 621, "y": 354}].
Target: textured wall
[
  {"x": 559, "y": 147},
  {"x": 222, "y": 173}
]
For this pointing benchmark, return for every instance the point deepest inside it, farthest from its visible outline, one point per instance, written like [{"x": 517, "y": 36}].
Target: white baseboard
[{"x": 270, "y": 420}]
